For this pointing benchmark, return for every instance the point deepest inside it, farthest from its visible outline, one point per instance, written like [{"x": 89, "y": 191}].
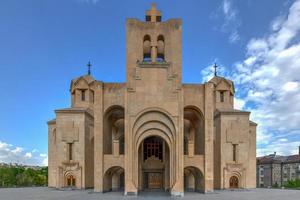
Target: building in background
[
  {"x": 153, "y": 131},
  {"x": 274, "y": 170}
]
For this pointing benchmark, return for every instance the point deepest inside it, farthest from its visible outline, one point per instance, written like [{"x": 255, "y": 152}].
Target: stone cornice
[{"x": 75, "y": 111}]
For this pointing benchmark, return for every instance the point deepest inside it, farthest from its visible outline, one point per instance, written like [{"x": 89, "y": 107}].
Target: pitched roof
[
  {"x": 278, "y": 159},
  {"x": 218, "y": 79},
  {"x": 293, "y": 159}
]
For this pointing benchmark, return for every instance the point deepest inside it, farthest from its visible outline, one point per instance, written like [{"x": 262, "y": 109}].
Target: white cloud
[
  {"x": 35, "y": 150},
  {"x": 43, "y": 155},
  {"x": 231, "y": 22},
  {"x": 273, "y": 64},
  {"x": 239, "y": 103},
  {"x": 17, "y": 150},
  {"x": 268, "y": 81},
  {"x": 234, "y": 37},
  {"x": 11, "y": 154},
  {"x": 45, "y": 161},
  {"x": 281, "y": 147},
  {"x": 277, "y": 23},
  {"x": 290, "y": 86},
  {"x": 28, "y": 155}
]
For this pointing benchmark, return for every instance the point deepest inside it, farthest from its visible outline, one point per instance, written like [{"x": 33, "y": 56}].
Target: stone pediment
[
  {"x": 223, "y": 84},
  {"x": 82, "y": 82}
]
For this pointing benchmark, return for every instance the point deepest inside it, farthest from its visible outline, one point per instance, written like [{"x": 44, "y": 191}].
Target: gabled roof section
[
  {"x": 271, "y": 159},
  {"x": 87, "y": 78},
  {"x": 218, "y": 80}
]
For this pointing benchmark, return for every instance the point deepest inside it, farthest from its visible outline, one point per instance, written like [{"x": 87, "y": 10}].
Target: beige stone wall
[
  {"x": 215, "y": 166},
  {"x": 52, "y": 152},
  {"x": 76, "y": 127},
  {"x": 233, "y": 129}
]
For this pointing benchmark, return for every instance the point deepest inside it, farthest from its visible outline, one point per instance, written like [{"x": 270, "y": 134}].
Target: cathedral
[{"x": 152, "y": 132}]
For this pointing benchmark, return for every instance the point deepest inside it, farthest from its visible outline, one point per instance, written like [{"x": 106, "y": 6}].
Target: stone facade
[{"x": 152, "y": 132}]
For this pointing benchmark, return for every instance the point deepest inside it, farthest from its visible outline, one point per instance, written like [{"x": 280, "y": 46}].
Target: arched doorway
[
  {"x": 114, "y": 179},
  {"x": 234, "y": 182},
  {"x": 193, "y": 179},
  {"x": 154, "y": 164},
  {"x": 70, "y": 181}
]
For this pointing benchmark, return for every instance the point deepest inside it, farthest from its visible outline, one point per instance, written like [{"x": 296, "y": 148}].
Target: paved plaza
[{"x": 44, "y": 193}]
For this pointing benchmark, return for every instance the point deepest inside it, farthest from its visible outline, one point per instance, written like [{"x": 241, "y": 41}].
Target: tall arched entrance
[
  {"x": 154, "y": 135},
  {"x": 154, "y": 164}
]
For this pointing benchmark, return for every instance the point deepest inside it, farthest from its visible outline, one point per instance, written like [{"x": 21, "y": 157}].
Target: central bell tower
[
  {"x": 154, "y": 43},
  {"x": 154, "y": 94}
]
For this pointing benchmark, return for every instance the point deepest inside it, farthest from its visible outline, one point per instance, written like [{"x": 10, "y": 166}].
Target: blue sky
[{"x": 44, "y": 44}]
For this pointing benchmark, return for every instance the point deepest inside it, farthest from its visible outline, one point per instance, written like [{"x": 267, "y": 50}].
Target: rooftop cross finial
[
  {"x": 215, "y": 66},
  {"x": 153, "y": 15},
  {"x": 89, "y": 65}
]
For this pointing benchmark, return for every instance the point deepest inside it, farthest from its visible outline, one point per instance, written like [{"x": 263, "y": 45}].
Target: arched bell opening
[
  {"x": 160, "y": 49},
  {"x": 147, "y": 49}
]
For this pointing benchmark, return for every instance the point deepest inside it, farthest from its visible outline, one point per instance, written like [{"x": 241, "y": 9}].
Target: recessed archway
[
  {"x": 113, "y": 130},
  {"x": 193, "y": 179},
  {"x": 113, "y": 179},
  {"x": 149, "y": 123},
  {"x": 193, "y": 131},
  {"x": 234, "y": 182},
  {"x": 154, "y": 164},
  {"x": 70, "y": 180}
]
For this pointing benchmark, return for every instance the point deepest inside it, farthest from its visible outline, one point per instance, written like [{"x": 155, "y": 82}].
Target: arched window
[
  {"x": 147, "y": 49},
  {"x": 160, "y": 48}
]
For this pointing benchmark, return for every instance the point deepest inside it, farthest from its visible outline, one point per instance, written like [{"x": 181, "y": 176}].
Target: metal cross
[
  {"x": 89, "y": 67},
  {"x": 215, "y": 66}
]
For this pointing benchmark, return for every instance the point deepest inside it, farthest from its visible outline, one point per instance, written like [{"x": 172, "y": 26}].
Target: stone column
[
  {"x": 153, "y": 53},
  {"x": 130, "y": 152},
  {"x": 208, "y": 151},
  {"x": 178, "y": 188},
  {"x": 98, "y": 138}
]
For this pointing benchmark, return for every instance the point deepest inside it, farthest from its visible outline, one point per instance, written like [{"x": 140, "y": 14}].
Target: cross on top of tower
[
  {"x": 215, "y": 66},
  {"x": 153, "y": 15},
  {"x": 89, "y": 65}
]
